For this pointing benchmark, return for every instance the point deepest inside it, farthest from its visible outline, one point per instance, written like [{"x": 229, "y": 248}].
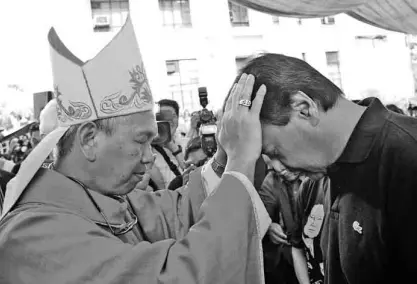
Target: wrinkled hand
[
  {"x": 277, "y": 235},
  {"x": 240, "y": 134}
]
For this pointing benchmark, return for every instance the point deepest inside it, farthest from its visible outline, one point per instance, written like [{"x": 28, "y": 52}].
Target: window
[
  {"x": 328, "y": 21},
  {"x": 275, "y": 20},
  {"x": 183, "y": 83},
  {"x": 109, "y": 15},
  {"x": 333, "y": 67},
  {"x": 238, "y": 15},
  {"x": 175, "y": 13}
]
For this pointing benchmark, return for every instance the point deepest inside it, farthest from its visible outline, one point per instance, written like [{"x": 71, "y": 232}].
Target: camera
[
  {"x": 207, "y": 125},
  {"x": 164, "y": 129}
]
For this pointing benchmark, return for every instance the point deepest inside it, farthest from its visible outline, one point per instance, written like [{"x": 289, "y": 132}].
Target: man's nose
[{"x": 147, "y": 155}]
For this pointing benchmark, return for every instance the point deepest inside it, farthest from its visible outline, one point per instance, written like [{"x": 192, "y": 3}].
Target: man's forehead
[{"x": 167, "y": 108}]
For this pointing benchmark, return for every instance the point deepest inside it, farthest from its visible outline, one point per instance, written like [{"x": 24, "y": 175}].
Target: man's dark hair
[
  {"x": 394, "y": 108},
  {"x": 170, "y": 103},
  {"x": 283, "y": 76}
]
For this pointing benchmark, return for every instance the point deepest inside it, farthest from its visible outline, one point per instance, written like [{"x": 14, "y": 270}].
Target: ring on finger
[{"x": 245, "y": 103}]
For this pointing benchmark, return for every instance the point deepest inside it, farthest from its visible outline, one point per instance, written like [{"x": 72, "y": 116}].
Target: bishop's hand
[{"x": 240, "y": 134}]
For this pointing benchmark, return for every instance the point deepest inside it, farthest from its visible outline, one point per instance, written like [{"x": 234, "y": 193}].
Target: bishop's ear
[
  {"x": 87, "y": 138},
  {"x": 305, "y": 107}
]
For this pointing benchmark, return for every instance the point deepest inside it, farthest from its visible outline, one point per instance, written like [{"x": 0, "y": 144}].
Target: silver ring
[{"x": 245, "y": 103}]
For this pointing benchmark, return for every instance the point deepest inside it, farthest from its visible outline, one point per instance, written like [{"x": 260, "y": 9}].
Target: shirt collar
[{"x": 366, "y": 132}]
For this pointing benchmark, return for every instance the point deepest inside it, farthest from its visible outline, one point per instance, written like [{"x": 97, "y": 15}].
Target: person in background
[
  {"x": 171, "y": 110},
  {"x": 194, "y": 158},
  {"x": 394, "y": 108},
  {"x": 306, "y": 251},
  {"x": 6, "y": 165},
  {"x": 169, "y": 162},
  {"x": 412, "y": 110},
  {"x": 193, "y": 131},
  {"x": 1, "y": 133},
  {"x": 194, "y": 153},
  {"x": 34, "y": 134},
  {"x": 19, "y": 151},
  {"x": 278, "y": 193}
]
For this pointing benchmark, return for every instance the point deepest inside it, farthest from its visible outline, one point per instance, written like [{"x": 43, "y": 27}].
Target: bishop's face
[{"x": 124, "y": 156}]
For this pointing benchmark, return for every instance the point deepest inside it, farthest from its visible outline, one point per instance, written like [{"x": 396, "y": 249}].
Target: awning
[{"x": 395, "y": 15}]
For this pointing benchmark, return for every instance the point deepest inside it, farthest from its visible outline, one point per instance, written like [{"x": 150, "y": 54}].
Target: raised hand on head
[{"x": 240, "y": 128}]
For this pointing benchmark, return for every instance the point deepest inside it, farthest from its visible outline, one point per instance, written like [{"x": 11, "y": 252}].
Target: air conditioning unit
[
  {"x": 328, "y": 20},
  {"x": 101, "y": 21}
]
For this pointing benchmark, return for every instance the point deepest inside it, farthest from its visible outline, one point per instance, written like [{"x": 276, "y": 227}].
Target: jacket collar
[
  {"x": 52, "y": 188},
  {"x": 366, "y": 132}
]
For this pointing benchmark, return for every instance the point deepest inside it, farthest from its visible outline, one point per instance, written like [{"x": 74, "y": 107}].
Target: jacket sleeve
[{"x": 60, "y": 247}]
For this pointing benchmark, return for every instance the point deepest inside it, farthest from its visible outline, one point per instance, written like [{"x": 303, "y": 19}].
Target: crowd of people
[{"x": 306, "y": 186}]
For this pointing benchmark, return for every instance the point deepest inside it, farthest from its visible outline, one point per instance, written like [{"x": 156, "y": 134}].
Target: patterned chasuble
[{"x": 55, "y": 235}]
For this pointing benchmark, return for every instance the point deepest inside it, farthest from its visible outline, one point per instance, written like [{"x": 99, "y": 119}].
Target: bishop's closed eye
[{"x": 145, "y": 137}]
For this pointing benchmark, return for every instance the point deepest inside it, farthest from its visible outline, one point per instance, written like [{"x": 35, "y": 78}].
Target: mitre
[{"x": 113, "y": 83}]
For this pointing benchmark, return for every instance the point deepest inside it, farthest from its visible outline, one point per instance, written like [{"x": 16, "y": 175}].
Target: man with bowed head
[
  {"x": 83, "y": 222},
  {"x": 370, "y": 156}
]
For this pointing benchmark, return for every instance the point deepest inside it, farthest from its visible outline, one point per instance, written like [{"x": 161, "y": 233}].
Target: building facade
[{"x": 188, "y": 44}]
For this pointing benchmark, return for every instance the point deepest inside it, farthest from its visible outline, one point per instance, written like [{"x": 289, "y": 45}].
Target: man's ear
[
  {"x": 305, "y": 107},
  {"x": 87, "y": 134}
]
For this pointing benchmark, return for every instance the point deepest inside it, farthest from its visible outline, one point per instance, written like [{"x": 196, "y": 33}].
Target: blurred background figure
[
  {"x": 194, "y": 125},
  {"x": 20, "y": 149},
  {"x": 34, "y": 134},
  {"x": 194, "y": 158},
  {"x": 394, "y": 108},
  {"x": 169, "y": 162},
  {"x": 194, "y": 154}
]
